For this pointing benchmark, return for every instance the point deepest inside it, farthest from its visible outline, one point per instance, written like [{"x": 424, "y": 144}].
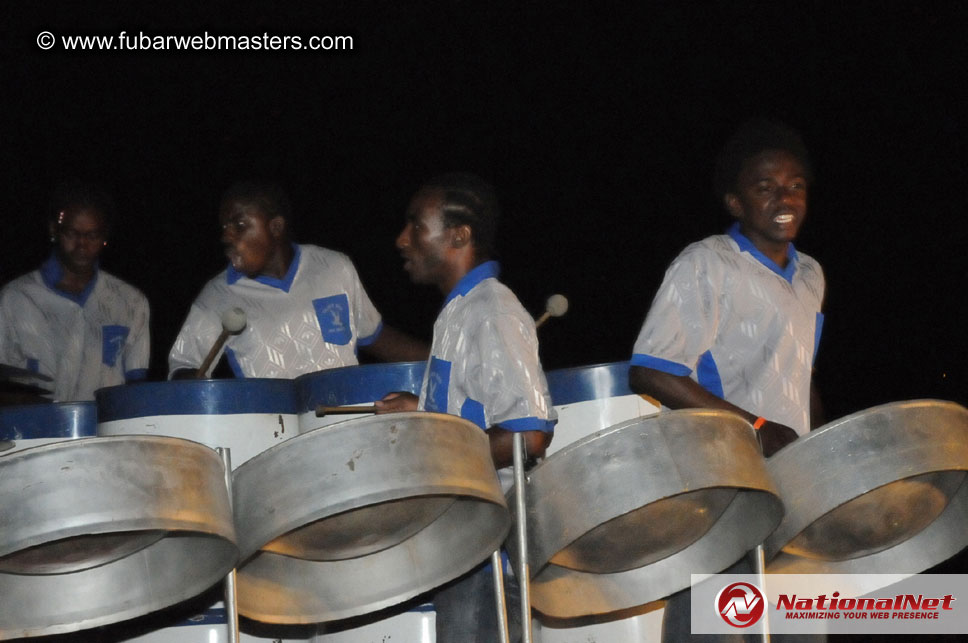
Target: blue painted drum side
[
  {"x": 358, "y": 384},
  {"x": 196, "y": 397},
  {"x": 584, "y": 383},
  {"x": 65, "y": 420}
]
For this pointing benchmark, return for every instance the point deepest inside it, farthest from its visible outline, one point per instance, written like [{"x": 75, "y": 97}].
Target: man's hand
[
  {"x": 774, "y": 436},
  {"x": 396, "y": 402}
]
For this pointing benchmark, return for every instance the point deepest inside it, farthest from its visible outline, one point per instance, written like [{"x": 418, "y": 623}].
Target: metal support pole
[
  {"x": 231, "y": 598},
  {"x": 499, "y": 600},
  {"x": 520, "y": 511},
  {"x": 759, "y": 566}
]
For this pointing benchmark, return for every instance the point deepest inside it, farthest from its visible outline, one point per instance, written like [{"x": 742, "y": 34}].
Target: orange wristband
[{"x": 758, "y": 424}]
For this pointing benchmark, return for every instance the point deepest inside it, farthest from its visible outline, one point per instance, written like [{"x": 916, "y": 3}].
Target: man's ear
[
  {"x": 731, "y": 201},
  {"x": 460, "y": 235}
]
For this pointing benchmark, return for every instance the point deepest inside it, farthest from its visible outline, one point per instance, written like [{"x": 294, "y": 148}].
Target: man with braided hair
[{"x": 483, "y": 364}]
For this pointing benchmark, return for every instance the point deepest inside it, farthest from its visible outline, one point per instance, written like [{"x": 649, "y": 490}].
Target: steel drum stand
[
  {"x": 523, "y": 570},
  {"x": 499, "y": 602},
  {"x": 759, "y": 568},
  {"x": 231, "y": 597}
]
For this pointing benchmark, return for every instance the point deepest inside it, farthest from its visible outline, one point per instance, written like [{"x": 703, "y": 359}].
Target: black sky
[{"x": 598, "y": 125}]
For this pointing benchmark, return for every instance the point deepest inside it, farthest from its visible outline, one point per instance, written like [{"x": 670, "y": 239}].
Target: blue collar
[
  {"x": 746, "y": 245},
  {"x": 51, "y": 271},
  {"x": 484, "y": 271},
  {"x": 232, "y": 275}
]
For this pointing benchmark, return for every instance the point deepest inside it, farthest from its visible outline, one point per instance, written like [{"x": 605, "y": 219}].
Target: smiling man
[
  {"x": 305, "y": 307},
  {"x": 736, "y": 322}
]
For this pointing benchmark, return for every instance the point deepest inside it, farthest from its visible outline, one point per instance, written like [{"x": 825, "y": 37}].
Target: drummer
[
  {"x": 70, "y": 320},
  {"x": 305, "y": 307},
  {"x": 736, "y": 322},
  {"x": 484, "y": 362}
]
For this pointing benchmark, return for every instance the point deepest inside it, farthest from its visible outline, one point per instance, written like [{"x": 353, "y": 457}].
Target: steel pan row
[
  {"x": 447, "y": 487},
  {"x": 339, "y": 521},
  {"x": 623, "y": 515}
]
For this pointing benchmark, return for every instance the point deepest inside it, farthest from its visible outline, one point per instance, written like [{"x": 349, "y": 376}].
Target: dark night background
[{"x": 598, "y": 124}]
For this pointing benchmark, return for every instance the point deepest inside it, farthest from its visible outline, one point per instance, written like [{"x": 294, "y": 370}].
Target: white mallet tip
[
  {"x": 233, "y": 320},
  {"x": 557, "y": 305}
]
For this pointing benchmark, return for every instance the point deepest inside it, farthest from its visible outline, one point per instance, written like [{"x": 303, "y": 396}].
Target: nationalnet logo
[
  {"x": 830, "y": 603},
  {"x": 899, "y": 606},
  {"x": 740, "y": 604}
]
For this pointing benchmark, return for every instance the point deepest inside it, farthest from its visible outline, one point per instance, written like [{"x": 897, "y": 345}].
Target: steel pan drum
[
  {"x": 622, "y": 518},
  {"x": 246, "y": 415},
  {"x": 369, "y": 513},
  {"x": 38, "y": 424},
  {"x": 100, "y": 530},
  {"x": 589, "y": 399},
  {"x": 353, "y": 386},
  {"x": 879, "y": 491}
]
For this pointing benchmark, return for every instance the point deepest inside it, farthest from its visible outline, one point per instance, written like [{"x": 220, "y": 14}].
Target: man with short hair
[
  {"x": 483, "y": 366},
  {"x": 305, "y": 307},
  {"x": 69, "y": 319},
  {"x": 736, "y": 323}
]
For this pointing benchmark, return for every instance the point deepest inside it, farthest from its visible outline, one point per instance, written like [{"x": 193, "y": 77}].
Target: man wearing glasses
[{"x": 69, "y": 320}]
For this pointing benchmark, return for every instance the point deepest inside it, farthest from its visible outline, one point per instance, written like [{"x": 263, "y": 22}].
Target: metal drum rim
[
  {"x": 637, "y": 587},
  {"x": 756, "y": 507},
  {"x": 244, "y": 475},
  {"x": 780, "y": 464},
  {"x": 420, "y": 562},
  {"x": 71, "y": 413},
  {"x": 89, "y": 598},
  {"x": 114, "y": 524},
  {"x": 321, "y": 573},
  {"x": 196, "y": 397},
  {"x": 816, "y": 434},
  {"x": 907, "y": 558},
  {"x": 564, "y": 451}
]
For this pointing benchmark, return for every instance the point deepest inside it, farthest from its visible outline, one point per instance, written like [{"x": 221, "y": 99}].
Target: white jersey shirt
[
  {"x": 739, "y": 325},
  {"x": 484, "y": 363},
  {"x": 86, "y": 341},
  {"x": 311, "y": 320}
]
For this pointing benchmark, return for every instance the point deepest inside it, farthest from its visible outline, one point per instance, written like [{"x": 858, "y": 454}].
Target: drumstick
[
  {"x": 233, "y": 321},
  {"x": 343, "y": 410},
  {"x": 556, "y": 306}
]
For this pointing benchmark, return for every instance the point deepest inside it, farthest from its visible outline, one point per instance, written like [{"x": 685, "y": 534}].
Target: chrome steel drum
[
  {"x": 38, "y": 424},
  {"x": 362, "y": 515},
  {"x": 353, "y": 386},
  {"x": 356, "y": 386},
  {"x": 246, "y": 415},
  {"x": 879, "y": 491},
  {"x": 589, "y": 399},
  {"x": 99, "y": 530},
  {"x": 623, "y": 517}
]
